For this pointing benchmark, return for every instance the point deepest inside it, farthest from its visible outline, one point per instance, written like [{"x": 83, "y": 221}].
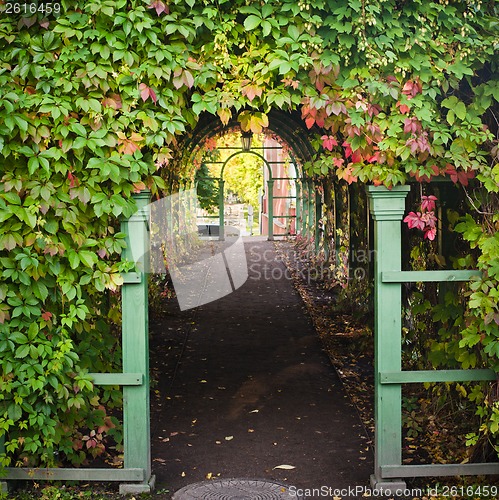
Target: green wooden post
[
  {"x": 304, "y": 205},
  {"x": 318, "y": 216},
  {"x": 221, "y": 208},
  {"x": 304, "y": 194},
  {"x": 270, "y": 208},
  {"x": 135, "y": 333},
  {"x": 387, "y": 208},
  {"x": 311, "y": 208},
  {"x": 3, "y": 484},
  {"x": 298, "y": 207}
]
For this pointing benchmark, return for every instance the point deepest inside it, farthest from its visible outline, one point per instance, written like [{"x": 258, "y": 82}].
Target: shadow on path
[{"x": 242, "y": 387}]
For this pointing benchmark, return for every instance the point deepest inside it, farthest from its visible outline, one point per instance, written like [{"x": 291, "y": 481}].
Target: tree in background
[
  {"x": 207, "y": 188},
  {"x": 243, "y": 174}
]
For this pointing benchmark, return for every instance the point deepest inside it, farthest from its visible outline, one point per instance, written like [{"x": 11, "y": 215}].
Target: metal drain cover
[{"x": 236, "y": 489}]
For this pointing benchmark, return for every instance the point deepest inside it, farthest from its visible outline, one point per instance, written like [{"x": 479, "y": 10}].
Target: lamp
[{"x": 246, "y": 140}]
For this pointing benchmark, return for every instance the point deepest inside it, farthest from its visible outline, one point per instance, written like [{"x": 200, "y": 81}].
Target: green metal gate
[{"x": 270, "y": 191}]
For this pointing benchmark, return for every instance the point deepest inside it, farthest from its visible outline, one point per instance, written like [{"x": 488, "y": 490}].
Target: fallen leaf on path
[
  {"x": 284, "y": 466},
  {"x": 209, "y": 475}
]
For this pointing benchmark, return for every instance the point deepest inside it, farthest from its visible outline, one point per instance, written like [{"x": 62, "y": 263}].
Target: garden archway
[{"x": 286, "y": 128}]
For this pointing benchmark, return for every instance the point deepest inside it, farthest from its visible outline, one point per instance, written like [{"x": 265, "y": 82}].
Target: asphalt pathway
[{"x": 242, "y": 389}]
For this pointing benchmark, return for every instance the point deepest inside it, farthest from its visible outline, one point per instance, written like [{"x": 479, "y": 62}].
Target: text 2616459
[{"x": 30, "y": 8}]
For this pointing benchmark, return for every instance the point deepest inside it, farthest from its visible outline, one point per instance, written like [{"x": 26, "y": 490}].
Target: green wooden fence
[
  {"x": 387, "y": 208},
  {"x": 136, "y": 473}
]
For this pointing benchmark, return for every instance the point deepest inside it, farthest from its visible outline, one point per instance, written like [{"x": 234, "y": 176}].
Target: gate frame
[{"x": 387, "y": 207}]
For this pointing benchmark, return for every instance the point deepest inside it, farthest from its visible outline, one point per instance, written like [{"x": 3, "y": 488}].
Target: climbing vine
[{"x": 94, "y": 99}]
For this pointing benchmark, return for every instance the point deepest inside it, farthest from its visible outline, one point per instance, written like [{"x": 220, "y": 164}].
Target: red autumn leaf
[
  {"x": 289, "y": 82},
  {"x": 329, "y": 142},
  {"x": 348, "y": 149},
  {"x": 430, "y": 234},
  {"x": 428, "y": 202},
  {"x": 348, "y": 175},
  {"x": 138, "y": 187},
  {"x": 128, "y": 145},
  {"x": 412, "y": 125},
  {"x": 375, "y": 158},
  {"x": 356, "y": 156},
  {"x": 413, "y": 220},
  {"x": 412, "y": 88},
  {"x": 435, "y": 170},
  {"x": 144, "y": 91},
  {"x": 251, "y": 91},
  {"x": 73, "y": 181},
  {"x": 309, "y": 121},
  {"x": 429, "y": 219},
  {"x": 403, "y": 108},
  {"x": 112, "y": 101},
  {"x": 373, "y": 110},
  {"x": 160, "y": 7},
  {"x": 46, "y": 315},
  {"x": 338, "y": 162}
]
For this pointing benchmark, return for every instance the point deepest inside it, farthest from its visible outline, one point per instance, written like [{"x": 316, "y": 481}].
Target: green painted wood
[
  {"x": 426, "y": 276},
  {"x": 298, "y": 209},
  {"x": 317, "y": 217},
  {"x": 221, "y": 210},
  {"x": 423, "y": 376},
  {"x": 14, "y": 473},
  {"x": 435, "y": 470},
  {"x": 135, "y": 333},
  {"x": 270, "y": 208},
  {"x": 122, "y": 379},
  {"x": 305, "y": 207},
  {"x": 387, "y": 208},
  {"x": 311, "y": 208},
  {"x": 132, "y": 277}
]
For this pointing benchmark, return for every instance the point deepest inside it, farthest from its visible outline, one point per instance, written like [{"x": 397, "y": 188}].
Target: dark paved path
[{"x": 243, "y": 387}]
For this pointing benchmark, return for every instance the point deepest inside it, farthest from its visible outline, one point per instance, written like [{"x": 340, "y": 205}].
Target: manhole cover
[{"x": 236, "y": 489}]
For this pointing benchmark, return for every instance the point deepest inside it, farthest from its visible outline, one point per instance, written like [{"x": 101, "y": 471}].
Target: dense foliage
[{"x": 94, "y": 99}]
